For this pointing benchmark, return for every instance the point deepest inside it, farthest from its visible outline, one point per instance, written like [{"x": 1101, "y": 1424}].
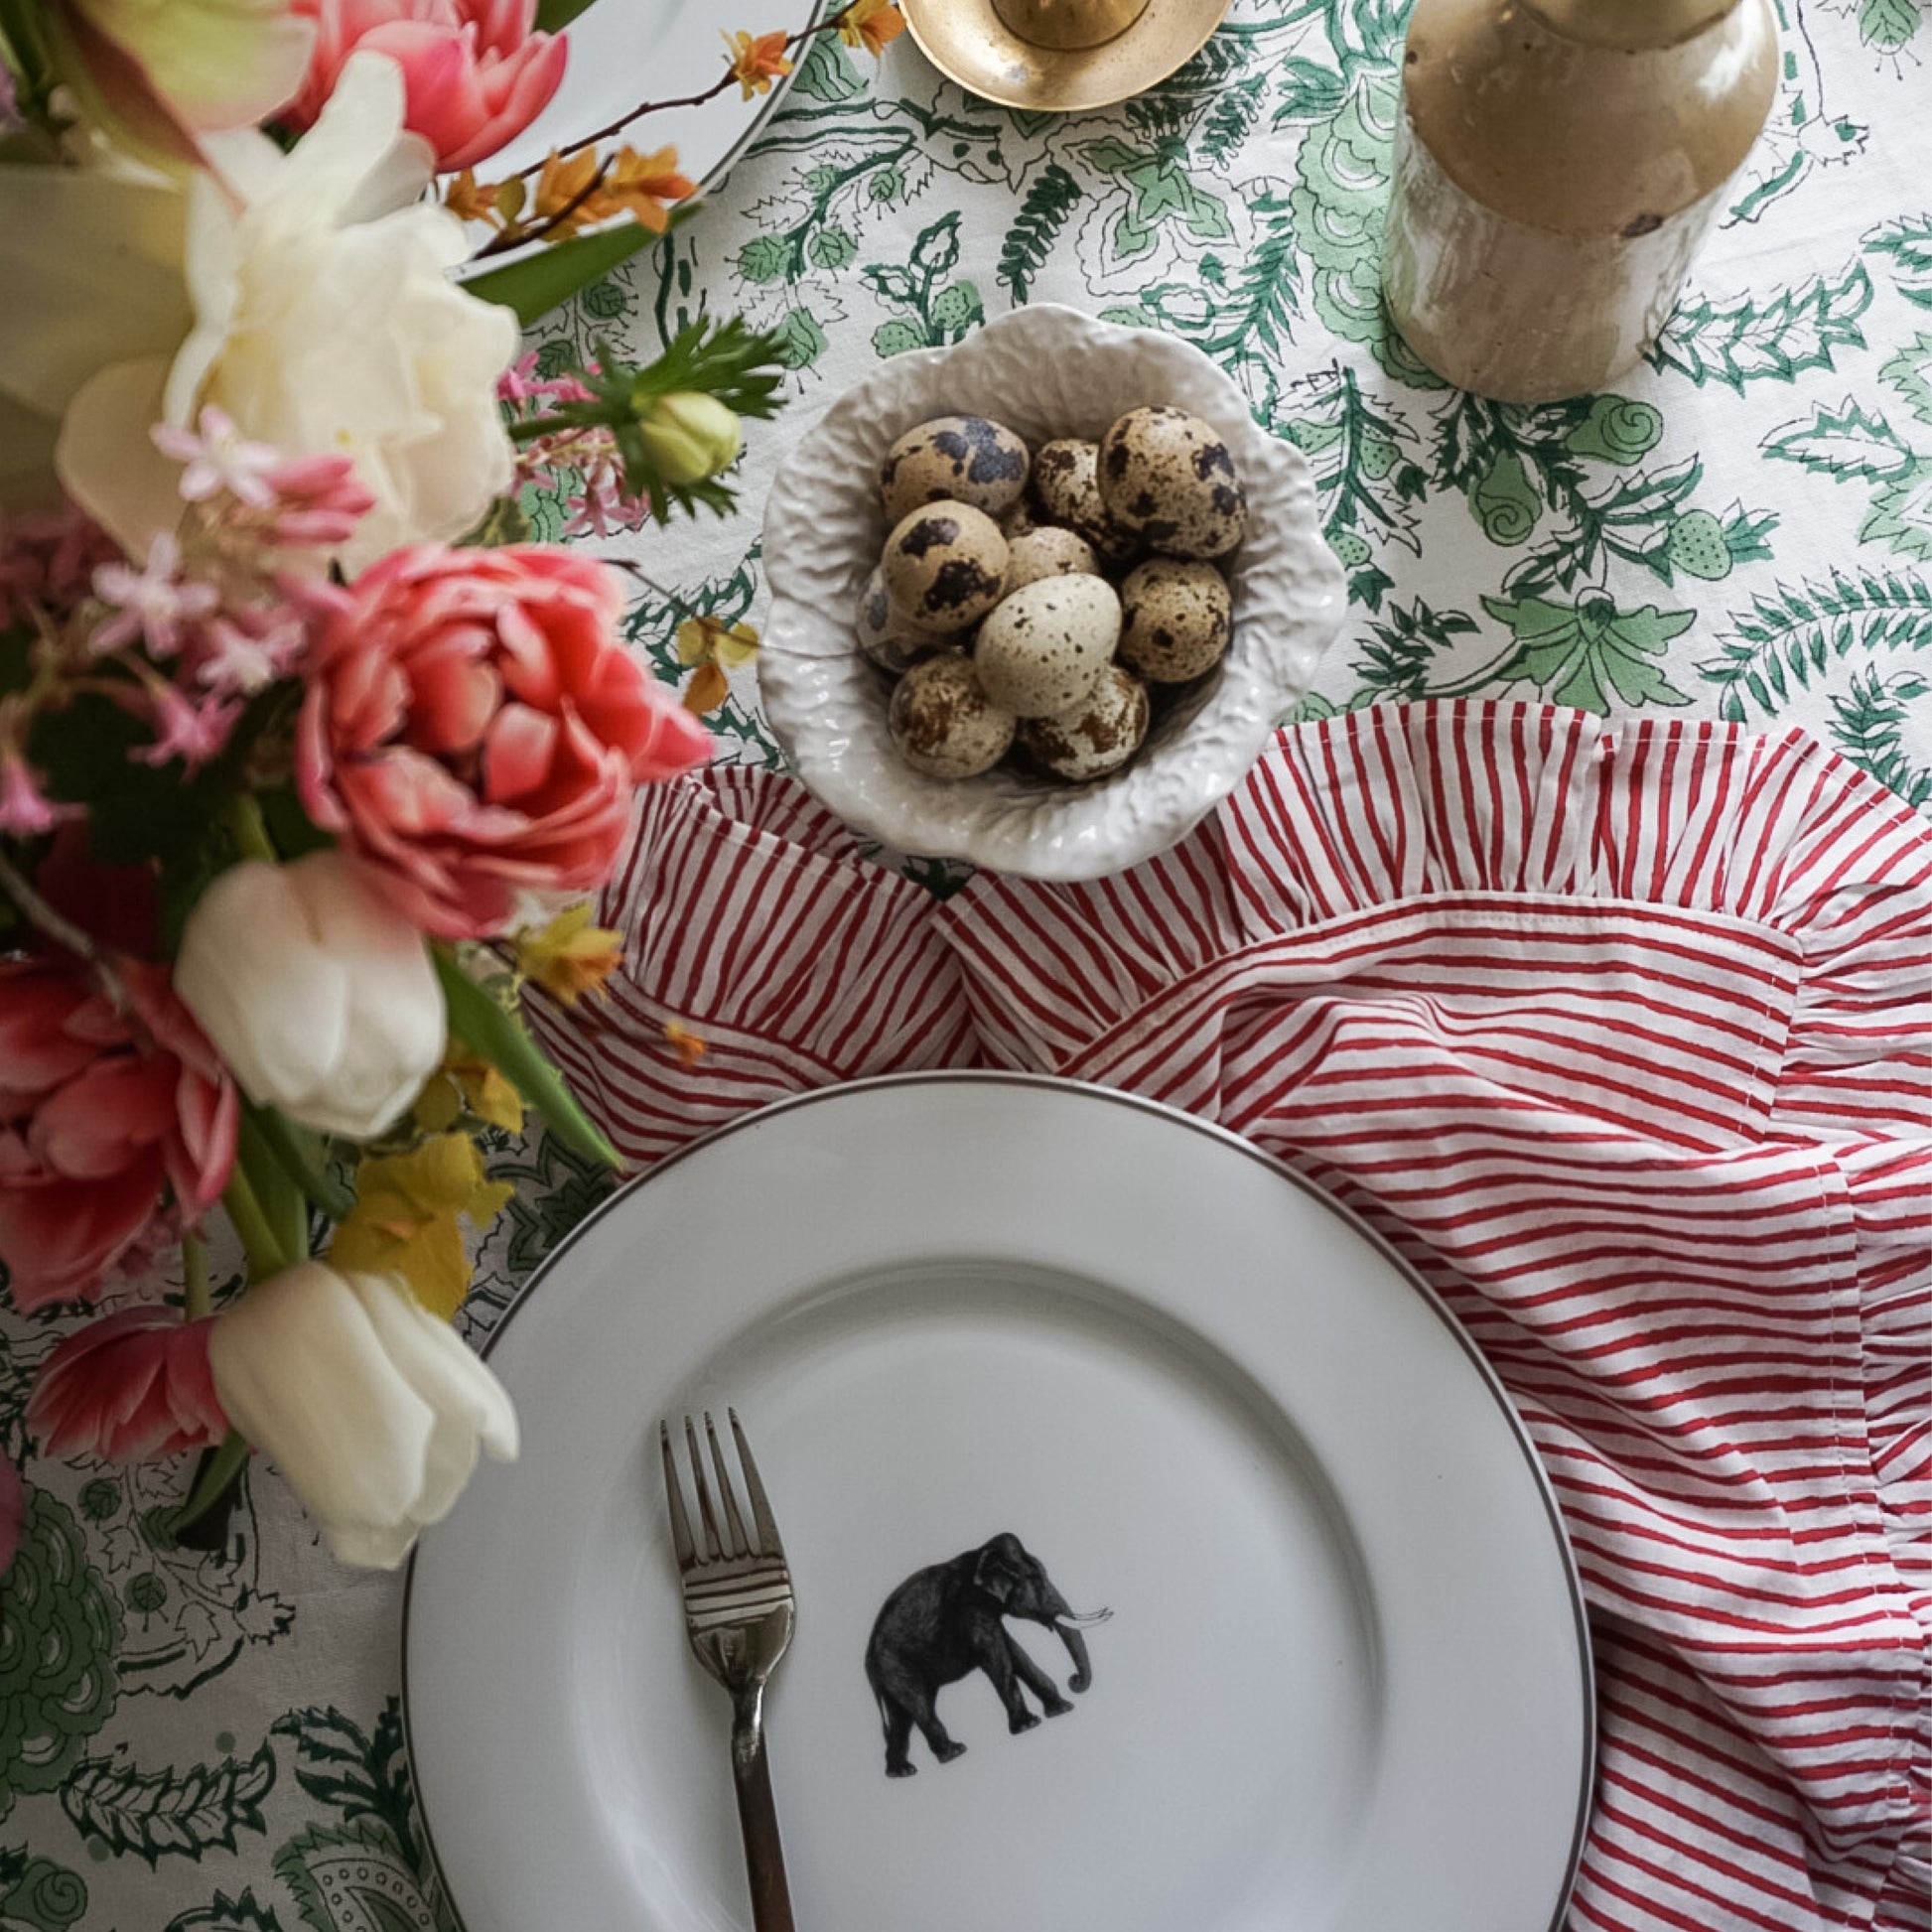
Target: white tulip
[
  {"x": 318, "y": 994},
  {"x": 373, "y": 1409}
]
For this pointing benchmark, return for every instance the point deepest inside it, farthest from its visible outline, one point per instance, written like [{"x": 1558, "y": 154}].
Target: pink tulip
[
  {"x": 129, "y": 1388},
  {"x": 99, "y": 1108},
  {"x": 474, "y": 730},
  {"x": 475, "y": 72}
]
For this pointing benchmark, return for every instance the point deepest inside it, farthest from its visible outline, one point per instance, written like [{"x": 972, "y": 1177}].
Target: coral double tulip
[
  {"x": 101, "y": 1105},
  {"x": 129, "y": 1388},
  {"x": 476, "y": 71},
  {"x": 474, "y": 730}
]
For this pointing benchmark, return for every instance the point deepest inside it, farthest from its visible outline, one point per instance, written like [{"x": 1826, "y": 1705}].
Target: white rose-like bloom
[
  {"x": 318, "y": 994},
  {"x": 371, "y": 1408},
  {"x": 325, "y": 323}
]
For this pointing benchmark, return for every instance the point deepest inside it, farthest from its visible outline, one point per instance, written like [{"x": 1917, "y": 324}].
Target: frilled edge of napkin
[{"x": 763, "y": 954}]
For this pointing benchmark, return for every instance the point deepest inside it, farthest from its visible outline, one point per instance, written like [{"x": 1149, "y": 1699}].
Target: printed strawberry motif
[{"x": 1697, "y": 546}]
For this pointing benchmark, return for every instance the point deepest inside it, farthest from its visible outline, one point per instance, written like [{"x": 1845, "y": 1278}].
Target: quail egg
[
  {"x": 1044, "y": 649},
  {"x": 944, "y": 567},
  {"x": 955, "y": 460},
  {"x": 1098, "y": 736},
  {"x": 1175, "y": 618},
  {"x": 1067, "y": 490},
  {"x": 886, "y": 638},
  {"x": 1168, "y": 479},
  {"x": 1048, "y": 551},
  {"x": 943, "y": 723}
]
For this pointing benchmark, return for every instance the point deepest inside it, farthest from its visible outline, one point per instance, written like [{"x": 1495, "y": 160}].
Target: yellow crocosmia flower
[
  {"x": 689, "y": 1047},
  {"x": 408, "y": 1215},
  {"x": 757, "y": 63},
  {"x": 467, "y": 1082},
  {"x": 870, "y": 23},
  {"x": 710, "y": 640},
  {"x": 646, "y": 184},
  {"x": 570, "y": 957},
  {"x": 708, "y": 689}
]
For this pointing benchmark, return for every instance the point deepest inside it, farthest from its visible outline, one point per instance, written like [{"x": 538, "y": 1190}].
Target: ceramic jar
[{"x": 1557, "y": 165}]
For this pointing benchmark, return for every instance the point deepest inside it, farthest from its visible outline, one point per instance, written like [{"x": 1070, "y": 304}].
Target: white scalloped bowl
[{"x": 1045, "y": 371}]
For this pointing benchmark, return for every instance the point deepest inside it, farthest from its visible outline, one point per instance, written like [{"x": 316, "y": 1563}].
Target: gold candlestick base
[
  {"x": 987, "y": 47},
  {"x": 1064, "y": 25}
]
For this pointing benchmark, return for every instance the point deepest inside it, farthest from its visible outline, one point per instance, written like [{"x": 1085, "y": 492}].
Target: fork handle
[{"x": 758, "y": 1821}]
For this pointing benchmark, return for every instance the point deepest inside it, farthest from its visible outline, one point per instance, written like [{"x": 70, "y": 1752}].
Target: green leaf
[
  {"x": 764, "y": 258},
  {"x": 553, "y": 16},
  {"x": 1842, "y": 442},
  {"x": 532, "y": 287},
  {"x": 605, "y": 301},
  {"x": 896, "y": 338},
  {"x": 168, "y": 1813},
  {"x": 832, "y": 247},
  {"x": 801, "y": 342},
  {"x": 1756, "y": 338},
  {"x": 502, "y": 1039},
  {"x": 301, "y": 1158},
  {"x": 936, "y": 251},
  {"x": 1049, "y": 203},
  {"x": 1889, "y": 24},
  {"x": 226, "y": 1914}
]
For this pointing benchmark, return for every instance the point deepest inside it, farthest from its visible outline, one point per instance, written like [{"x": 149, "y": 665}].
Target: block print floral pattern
[{"x": 209, "y": 1739}]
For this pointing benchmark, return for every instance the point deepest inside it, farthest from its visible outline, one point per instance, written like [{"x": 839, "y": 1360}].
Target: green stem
[
  {"x": 250, "y": 829},
  {"x": 258, "y": 1242},
  {"x": 196, "y": 1300},
  {"x": 298, "y": 1157},
  {"x": 219, "y": 1471}
]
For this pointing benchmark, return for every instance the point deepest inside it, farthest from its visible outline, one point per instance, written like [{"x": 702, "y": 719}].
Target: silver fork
[{"x": 739, "y": 1611}]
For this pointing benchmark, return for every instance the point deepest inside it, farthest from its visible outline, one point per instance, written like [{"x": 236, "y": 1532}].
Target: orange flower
[
  {"x": 686, "y": 1045},
  {"x": 564, "y": 179},
  {"x": 755, "y": 64},
  {"x": 870, "y": 23},
  {"x": 645, "y": 183},
  {"x": 715, "y": 648},
  {"x": 465, "y": 201}
]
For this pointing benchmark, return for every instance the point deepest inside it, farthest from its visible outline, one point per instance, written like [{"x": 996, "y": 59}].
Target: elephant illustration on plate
[{"x": 945, "y": 1622}]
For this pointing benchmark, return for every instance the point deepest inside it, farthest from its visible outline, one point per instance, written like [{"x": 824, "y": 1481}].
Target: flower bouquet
[{"x": 308, "y": 764}]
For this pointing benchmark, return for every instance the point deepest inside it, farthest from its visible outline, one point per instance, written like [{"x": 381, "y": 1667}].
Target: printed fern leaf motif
[
  {"x": 1842, "y": 442},
  {"x": 1910, "y": 373},
  {"x": 1750, "y": 341},
  {"x": 1051, "y": 199},
  {"x": 1868, "y": 725},
  {"x": 1907, "y": 245},
  {"x": 165, "y": 1812},
  {"x": 1781, "y": 645}
]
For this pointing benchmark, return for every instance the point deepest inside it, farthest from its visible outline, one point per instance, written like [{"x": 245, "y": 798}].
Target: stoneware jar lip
[{"x": 1629, "y": 25}]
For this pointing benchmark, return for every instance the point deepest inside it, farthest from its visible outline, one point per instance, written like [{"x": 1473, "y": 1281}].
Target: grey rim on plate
[{"x": 1563, "y": 1654}]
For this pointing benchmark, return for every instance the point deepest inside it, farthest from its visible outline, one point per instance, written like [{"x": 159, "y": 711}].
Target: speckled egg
[
  {"x": 1048, "y": 552},
  {"x": 942, "y": 721},
  {"x": 1175, "y": 618},
  {"x": 884, "y": 637},
  {"x": 1067, "y": 490},
  {"x": 944, "y": 567},
  {"x": 954, "y": 459},
  {"x": 1169, "y": 478},
  {"x": 1097, "y": 738},
  {"x": 1044, "y": 646}
]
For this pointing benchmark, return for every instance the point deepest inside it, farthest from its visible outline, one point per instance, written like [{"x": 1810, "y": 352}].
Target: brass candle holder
[{"x": 1060, "y": 55}]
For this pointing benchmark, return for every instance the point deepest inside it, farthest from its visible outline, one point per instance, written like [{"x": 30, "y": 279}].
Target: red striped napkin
[{"x": 1621, "y": 1036}]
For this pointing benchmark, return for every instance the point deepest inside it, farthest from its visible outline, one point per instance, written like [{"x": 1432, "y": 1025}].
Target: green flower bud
[{"x": 688, "y": 437}]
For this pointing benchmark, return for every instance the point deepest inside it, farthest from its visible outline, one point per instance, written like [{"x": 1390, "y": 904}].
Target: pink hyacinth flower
[
  {"x": 476, "y": 72},
  {"x": 129, "y": 1388}
]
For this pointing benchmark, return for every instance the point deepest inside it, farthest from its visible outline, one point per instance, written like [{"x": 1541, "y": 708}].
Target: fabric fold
[{"x": 1621, "y": 1035}]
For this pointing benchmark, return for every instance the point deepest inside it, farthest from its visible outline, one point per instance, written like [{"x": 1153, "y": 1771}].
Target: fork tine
[
  {"x": 714, "y": 1547},
  {"x": 734, "y": 1522},
  {"x": 687, "y": 1553},
  {"x": 762, "y": 1517}
]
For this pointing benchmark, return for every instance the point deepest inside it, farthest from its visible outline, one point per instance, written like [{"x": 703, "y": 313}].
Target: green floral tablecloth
[{"x": 211, "y": 1741}]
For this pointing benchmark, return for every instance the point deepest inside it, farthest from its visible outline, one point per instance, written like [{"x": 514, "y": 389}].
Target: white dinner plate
[
  {"x": 1345, "y": 1682},
  {"x": 624, "y": 52}
]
